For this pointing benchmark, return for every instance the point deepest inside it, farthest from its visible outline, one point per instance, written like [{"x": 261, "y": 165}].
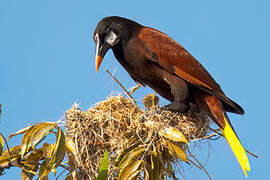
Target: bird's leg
[{"x": 180, "y": 92}]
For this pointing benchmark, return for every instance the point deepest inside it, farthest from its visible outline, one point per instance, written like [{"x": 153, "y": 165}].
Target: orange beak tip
[{"x": 98, "y": 62}]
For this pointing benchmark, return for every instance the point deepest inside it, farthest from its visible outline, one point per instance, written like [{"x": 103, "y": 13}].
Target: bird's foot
[{"x": 177, "y": 107}]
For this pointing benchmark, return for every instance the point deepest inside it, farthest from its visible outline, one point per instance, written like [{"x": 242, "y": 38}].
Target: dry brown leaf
[
  {"x": 70, "y": 145},
  {"x": 25, "y": 176},
  {"x": 71, "y": 153},
  {"x": 46, "y": 149},
  {"x": 21, "y": 131},
  {"x": 130, "y": 157},
  {"x": 41, "y": 130},
  {"x": 155, "y": 164},
  {"x": 58, "y": 151},
  {"x": 34, "y": 134},
  {"x": 173, "y": 134},
  {"x": 6, "y": 158},
  {"x": 25, "y": 145},
  {"x": 1, "y": 144},
  {"x": 131, "y": 170},
  {"x": 150, "y": 100},
  {"x": 134, "y": 89},
  {"x": 31, "y": 161},
  {"x": 176, "y": 151}
]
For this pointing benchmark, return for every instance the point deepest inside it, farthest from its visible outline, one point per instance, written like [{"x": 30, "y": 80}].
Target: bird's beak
[
  {"x": 98, "y": 62},
  {"x": 101, "y": 50}
]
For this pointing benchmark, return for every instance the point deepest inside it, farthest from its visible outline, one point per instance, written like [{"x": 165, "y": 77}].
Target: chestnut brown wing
[{"x": 174, "y": 58}]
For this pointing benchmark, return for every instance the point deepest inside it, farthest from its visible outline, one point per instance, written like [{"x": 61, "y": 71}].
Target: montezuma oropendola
[{"x": 153, "y": 58}]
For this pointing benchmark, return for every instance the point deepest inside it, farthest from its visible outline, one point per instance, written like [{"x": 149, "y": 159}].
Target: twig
[
  {"x": 188, "y": 160},
  {"x": 199, "y": 164},
  {"x": 216, "y": 131},
  {"x": 60, "y": 174},
  {"x": 179, "y": 171},
  {"x": 63, "y": 166},
  {"x": 114, "y": 78},
  {"x": 254, "y": 155},
  {"x": 6, "y": 145},
  {"x": 205, "y": 137}
]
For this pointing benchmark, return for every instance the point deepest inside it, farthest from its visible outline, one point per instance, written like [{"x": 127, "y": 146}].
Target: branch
[{"x": 114, "y": 78}]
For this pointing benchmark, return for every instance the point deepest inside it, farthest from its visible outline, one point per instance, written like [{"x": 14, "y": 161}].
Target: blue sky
[{"x": 47, "y": 64}]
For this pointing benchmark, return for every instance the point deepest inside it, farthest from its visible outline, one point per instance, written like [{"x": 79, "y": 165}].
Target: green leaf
[
  {"x": 173, "y": 134},
  {"x": 104, "y": 166}
]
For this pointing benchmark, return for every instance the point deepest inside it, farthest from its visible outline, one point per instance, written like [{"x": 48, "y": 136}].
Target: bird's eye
[{"x": 111, "y": 38}]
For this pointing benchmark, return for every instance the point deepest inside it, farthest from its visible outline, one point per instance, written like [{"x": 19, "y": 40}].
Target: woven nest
[{"x": 117, "y": 124}]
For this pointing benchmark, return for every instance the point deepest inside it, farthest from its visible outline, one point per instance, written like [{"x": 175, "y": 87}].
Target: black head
[{"x": 109, "y": 32}]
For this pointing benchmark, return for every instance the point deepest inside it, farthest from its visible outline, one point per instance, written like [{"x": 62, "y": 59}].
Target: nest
[{"x": 116, "y": 124}]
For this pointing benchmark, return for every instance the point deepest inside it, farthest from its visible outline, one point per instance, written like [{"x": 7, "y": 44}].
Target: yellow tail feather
[{"x": 236, "y": 146}]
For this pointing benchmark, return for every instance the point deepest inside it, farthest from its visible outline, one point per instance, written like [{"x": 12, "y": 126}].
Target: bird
[{"x": 153, "y": 58}]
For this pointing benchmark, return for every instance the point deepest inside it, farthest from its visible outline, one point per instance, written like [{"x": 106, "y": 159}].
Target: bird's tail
[
  {"x": 213, "y": 106},
  {"x": 235, "y": 145}
]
